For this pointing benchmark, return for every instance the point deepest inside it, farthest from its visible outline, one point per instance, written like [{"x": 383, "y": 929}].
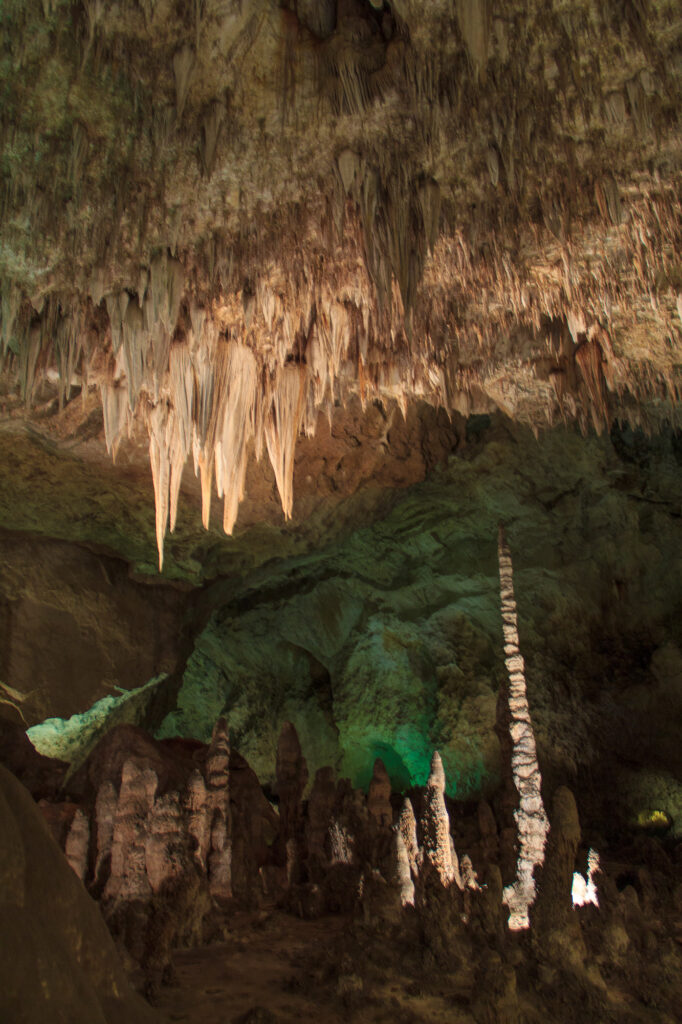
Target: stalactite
[
  {"x": 210, "y": 132},
  {"x": 531, "y": 819},
  {"x": 157, "y": 425},
  {"x": 286, "y": 405},
  {"x": 237, "y": 430},
  {"x": 183, "y": 65},
  {"x": 253, "y": 364},
  {"x": 116, "y": 413}
]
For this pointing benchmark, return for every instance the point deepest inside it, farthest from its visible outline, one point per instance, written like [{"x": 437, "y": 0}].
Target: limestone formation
[
  {"x": 105, "y": 814},
  {"x": 487, "y": 827},
  {"x": 128, "y": 878},
  {"x": 340, "y": 844},
  {"x": 198, "y": 825},
  {"x": 495, "y": 995},
  {"x": 292, "y": 777},
  {"x": 513, "y": 258},
  {"x": 531, "y": 820},
  {"x": 219, "y": 857},
  {"x": 435, "y": 827},
  {"x": 320, "y": 810},
  {"x": 379, "y": 795},
  {"x": 77, "y": 846},
  {"x": 58, "y": 961},
  {"x": 554, "y": 923},
  {"x": 166, "y": 843},
  {"x": 407, "y": 823},
  {"x": 401, "y": 871}
]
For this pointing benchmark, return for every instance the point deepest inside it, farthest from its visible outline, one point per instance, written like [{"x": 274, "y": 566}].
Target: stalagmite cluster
[{"x": 531, "y": 820}]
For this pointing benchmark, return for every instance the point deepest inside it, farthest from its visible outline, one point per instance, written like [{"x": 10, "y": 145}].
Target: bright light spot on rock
[{"x": 584, "y": 890}]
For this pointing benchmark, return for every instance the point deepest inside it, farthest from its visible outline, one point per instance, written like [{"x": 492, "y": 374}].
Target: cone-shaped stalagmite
[
  {"x": 554, "y": 923},
  {"x": 435, "y": 826},
  {"x": 379, "y": 795}
]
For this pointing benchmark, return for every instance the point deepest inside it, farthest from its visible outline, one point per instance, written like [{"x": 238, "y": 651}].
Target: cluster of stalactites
[
  {"x": 531, "y": 820},
  {"x": 217, "y": 393}
]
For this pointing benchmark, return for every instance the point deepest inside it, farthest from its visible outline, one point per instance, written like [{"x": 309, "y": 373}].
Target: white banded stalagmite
[{"x": 531, "y": 820}]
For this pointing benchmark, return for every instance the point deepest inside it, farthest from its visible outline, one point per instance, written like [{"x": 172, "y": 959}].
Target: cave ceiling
[{"x": 229, "y": 224}]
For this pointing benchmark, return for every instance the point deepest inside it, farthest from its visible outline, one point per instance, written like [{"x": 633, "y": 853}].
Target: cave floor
[{"x": 275, "y": 964}]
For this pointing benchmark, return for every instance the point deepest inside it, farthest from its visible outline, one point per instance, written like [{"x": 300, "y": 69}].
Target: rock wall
[
  {"x": 388, "y": 642},
  {"x": 57, "y": 959}
]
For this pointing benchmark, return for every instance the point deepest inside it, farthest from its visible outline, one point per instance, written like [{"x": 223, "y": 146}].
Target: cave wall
[
  {"x": 74, "y": 627},
  {"x": 388, "y": 642}
]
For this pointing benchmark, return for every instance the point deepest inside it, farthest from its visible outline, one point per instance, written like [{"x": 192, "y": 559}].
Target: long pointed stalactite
[{"x": 531, "y": 820}]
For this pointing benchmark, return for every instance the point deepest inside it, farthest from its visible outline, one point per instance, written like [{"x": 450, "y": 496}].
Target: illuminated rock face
[{"x": 531, "y": 820}]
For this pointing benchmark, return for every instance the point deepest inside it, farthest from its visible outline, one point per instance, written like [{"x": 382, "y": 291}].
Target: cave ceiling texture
[{"x": 300, "y": 301}]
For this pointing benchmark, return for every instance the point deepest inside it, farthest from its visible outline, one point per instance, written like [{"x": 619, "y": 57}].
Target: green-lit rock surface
[{"x": 388, "y": 642}]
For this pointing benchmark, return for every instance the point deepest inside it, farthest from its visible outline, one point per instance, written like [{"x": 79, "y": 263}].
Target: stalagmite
[
  {"x": 105, "y": 813},
  {"x": 320, "y": 809},
  {"x": 531, "y": 820},
  {"x": 197, "y": 818},
  {"x": 166, "y": 843},
  {"x": 407, "y": 823},
  {"x": 435, "y": 827},
  {"x": 379, "y": 795},
  {"x": 219, "y": 859},
  {"x": 555, "y": 927},
  {"x": 78, "y": 844},
  {"x": 292, "y": 776},
  {"x": 128, "y": 878},
  {"x": 401, "y": 869}
]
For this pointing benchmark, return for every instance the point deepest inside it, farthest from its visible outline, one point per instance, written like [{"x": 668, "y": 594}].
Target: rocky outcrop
[
  {"x": 115, "y": 633},
  {"x": 41, "y": 775},
  {"x": 57, "y": 959}
]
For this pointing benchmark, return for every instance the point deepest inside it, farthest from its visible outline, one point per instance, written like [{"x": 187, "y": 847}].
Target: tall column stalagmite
[
  {"x": 531, "y": 819},
  {"x": 219, "y": 858}
]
